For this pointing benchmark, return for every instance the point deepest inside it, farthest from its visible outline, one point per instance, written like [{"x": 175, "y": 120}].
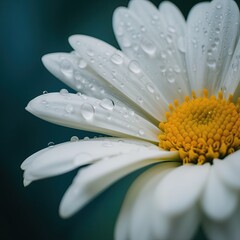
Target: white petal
[
  {"x": 154, "y": 47},
  {"x": 65, "y": 157},
  {"x": 180, "y": 189},
  {"x": 226, "y": 230},
  {"x": 74, "y": 72},
  {"x": 212, "y": 33},
  {"x": 94, "y": 179},
  {"x": 231, "y": 81},
  {"x": 173, "y": 17},
  {"x": 86, "y": 113},
  {"x": 228, "y": 170},
  {"x": 139, "y": 217},
  {"x": 127, "y": 78},
  {"x": 141, "y": 206},
  {"x": 218, "y": 201}
]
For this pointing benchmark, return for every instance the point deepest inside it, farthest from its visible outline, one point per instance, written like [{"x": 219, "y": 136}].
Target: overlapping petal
[
  {"x": 91, "y": 114},
  {"x": 94, "y": 179},
  {"x": 211, "y": 38},
  {"x": 67, "y": 156},
  {"x": 123, "y": 73}
]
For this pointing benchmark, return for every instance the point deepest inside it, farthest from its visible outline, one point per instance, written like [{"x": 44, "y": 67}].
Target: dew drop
[
  {"x": 64, "y": 92},
  {"x": 230, "y": 51},
  {"x": 234, "y": 67},
  {"x": 150, "y": 87},
  {"x": 74, "y": 139},
  {"x": 170, "y": 77},
  {"x": 66, "y": 68},
  {"x": 69, "y": 108},
  {"x": 148, "y": 47},
  {"x": 134, "y": 66},
  {"x": 119, "y": 31},
  {"x": 218, "y": 6},
  {"x": 87, "y": 111},
  {"x": 141, "y": 132},
  {"x": 107, "y": 144},
  {"x": 143, "y": 29},
  {"x": 82, "y": 63},
  {"x": 177, "y": 69},
  {"x": 126, "y": 42},
  {"x": 117, "y": 58},
  {"x": 90, "y": 52},
  {"x": 51, "y": 144},
  {"x": 140, "y": 100},
  {"x": 181, "y": 44},
  {"x": 107, "y": 104},
  {"x": 171, "y": 29},
  {"x": 211, "y": 62}
]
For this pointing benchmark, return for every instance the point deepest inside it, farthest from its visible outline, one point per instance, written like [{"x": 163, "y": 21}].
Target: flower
[{"x": 171, "y": 100}]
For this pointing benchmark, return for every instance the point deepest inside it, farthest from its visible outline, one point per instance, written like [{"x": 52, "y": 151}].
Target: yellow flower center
[{"x": 202, "y": 128}]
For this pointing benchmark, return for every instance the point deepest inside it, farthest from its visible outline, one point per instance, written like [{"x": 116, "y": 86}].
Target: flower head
[{"x": 171, "y": 99}]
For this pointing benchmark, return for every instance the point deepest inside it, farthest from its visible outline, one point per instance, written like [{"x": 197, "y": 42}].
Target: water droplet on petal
[
  {"x": 134, "y": 66},
  {"x": 107, "y": 144},
  {"x": 107, "y": 104},
  {"x": 63, "y": 92},
  {"x": 51, "y": 144},
  {"x": 170, "y": 77},
  {"x": 150, "y": 88},
  {"x": 211, "y": 62},
  {"x": 90, "y": 52},
  {"x": 74, "y": 139},
  {"x": 148, "y": 47},
  {"x": 119, "y": 31},
  {"x": 219, "y": 6},
  {"x": 66, "y": 68},
  {"x": 140, "y": 100},
  {"x": 181, "y": 44},
  {"x": 230, "y": 51},
  {"x": 117, "y": 58},
  {"x": 87, "y": 111},
  {"x": 82, "y": 63},
  {"x": 141, "y": 132},
  {"x": 69, "y": 108},
  {"x": 126, "y": 42}
]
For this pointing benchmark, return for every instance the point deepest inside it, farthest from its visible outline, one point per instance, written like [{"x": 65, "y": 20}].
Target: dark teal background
[{"x": 30, "y": 29}]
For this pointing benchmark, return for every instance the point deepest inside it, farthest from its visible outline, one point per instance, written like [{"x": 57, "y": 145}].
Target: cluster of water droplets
[{"x": 161, "y": 55}]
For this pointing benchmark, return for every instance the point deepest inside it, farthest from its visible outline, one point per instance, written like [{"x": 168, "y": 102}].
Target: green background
[{"x": 30, "y": 29}]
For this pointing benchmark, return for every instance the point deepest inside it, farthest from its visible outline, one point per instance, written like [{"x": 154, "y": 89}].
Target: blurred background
[{"x": 30, "y": 29}]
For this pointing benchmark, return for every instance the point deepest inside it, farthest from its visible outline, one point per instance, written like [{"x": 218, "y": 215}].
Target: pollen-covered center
[{"x": 202, "y": 128}]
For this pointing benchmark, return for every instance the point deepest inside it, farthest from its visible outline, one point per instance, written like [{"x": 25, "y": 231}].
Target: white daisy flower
[{"x": 171, "y": 100}]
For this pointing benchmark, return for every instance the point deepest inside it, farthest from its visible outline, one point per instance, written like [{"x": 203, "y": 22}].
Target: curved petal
[
  {"x": 135, "y": 220},
  {"x": 86, "y": 113},
  {"x": 212, "y": 35},
  {"x": 180, "y": 189},
  {"x": 67, "y": 156},
  {"x": 218, "y": 201},
  {"x": 92, "y": 180},
  {"x": 232, "y": 79},
  {"x": 140, "y": 218},
  {"x": 173, "y": 17},
  {"x": 228, "y": 170},
  {"x": 154, "y": 46},
  {"x": 129, "y": 78},
  {"x": 225, "y": 230},
  {"x": 74, "y": 71}
]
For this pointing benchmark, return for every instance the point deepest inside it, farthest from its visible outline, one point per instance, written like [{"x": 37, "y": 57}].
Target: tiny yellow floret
[{"x": 202, "y": 128}]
